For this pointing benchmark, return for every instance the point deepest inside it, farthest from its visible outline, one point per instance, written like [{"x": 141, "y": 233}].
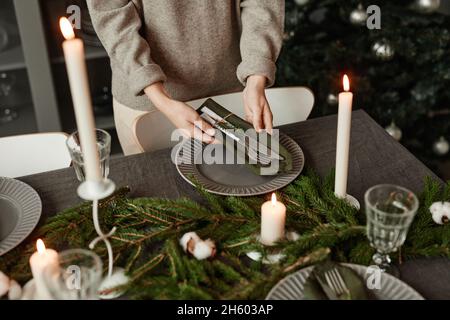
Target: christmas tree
[{"x": 400, "y": 69}]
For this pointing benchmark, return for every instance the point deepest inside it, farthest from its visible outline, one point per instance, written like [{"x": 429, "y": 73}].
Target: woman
[{"x": 165, "y": 52}]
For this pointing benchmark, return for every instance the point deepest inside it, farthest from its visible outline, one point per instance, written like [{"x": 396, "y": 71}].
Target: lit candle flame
[
  {"x": 40, "y": 246},
  {"x": 346, "y": 82},
  {"x": 274, "y": 199},
  {"x": 66, "y": 28}
]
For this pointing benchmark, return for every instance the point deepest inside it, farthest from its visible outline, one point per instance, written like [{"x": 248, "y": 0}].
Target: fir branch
[
  {"x": 149, "y": 229},
  {"x": 315, "y": 256}
]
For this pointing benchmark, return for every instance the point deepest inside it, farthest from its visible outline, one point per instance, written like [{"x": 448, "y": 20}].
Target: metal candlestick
[
  {"x": 276, "y": 255},
  {"x": 95, "y": 191},
  {"x": 351, "y": 200}
]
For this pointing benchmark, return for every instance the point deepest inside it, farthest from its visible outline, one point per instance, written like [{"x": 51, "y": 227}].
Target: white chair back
[
  {"x": 289, "y": 105},
  {"x": 33, "y": 153}
]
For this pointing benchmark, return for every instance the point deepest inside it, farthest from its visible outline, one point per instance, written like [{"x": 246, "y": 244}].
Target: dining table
[{"x": 375, "y": 158}]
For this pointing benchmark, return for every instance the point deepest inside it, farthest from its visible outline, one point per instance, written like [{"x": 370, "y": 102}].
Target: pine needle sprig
[{"x": 146, "y": 243}]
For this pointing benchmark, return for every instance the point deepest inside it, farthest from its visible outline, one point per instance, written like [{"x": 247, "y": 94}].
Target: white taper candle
[
  {"x": 343, "y": 139},
  {"x": 79, "y": 87}
]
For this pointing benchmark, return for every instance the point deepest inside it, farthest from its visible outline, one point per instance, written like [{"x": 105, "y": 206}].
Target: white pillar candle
[
  {"x": 44, "y": 265},
  {"x": 343, "y": 139},
  {"x": 273, "y": 219},
  {"x": 79, "y": 87}
]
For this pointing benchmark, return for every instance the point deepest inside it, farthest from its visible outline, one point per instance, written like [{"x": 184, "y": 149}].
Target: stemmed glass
[{"x": 390, "y": 211}]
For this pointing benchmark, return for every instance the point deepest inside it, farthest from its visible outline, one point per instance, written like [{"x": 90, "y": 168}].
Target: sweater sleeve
[
  {"x": 261, "y": 38},
  {"x": 118, "y": 24}
]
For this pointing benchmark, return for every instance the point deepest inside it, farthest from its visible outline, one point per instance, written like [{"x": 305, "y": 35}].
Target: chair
[
  {"x": 33, "y": 153},
  {"x": 289, "y": 105}
]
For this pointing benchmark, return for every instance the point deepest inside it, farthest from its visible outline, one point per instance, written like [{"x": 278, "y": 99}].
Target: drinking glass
[
  {"x": 103, "y": 147},
  {"x": 79, "y": 276},
  {"x": 390, "y": 210}
]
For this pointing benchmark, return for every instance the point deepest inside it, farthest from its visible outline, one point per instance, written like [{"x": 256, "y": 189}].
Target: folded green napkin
[
  {"x": 319, "y": 290},
  {"x": 226, "y": 121}
]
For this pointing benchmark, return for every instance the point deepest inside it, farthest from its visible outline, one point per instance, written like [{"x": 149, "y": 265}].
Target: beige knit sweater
[{"x": 198, "y": 48}]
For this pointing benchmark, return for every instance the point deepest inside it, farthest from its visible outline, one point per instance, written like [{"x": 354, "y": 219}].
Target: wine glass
[{"x": 390, "y": 210}]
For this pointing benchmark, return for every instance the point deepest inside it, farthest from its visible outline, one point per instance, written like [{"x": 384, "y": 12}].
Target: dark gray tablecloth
[{"x": 375, "y": 158}]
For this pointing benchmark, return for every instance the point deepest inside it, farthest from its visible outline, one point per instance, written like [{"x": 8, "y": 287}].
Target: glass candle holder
[
  {"x": 76, "y": 153},
  {"x": 79, "y": 276}
]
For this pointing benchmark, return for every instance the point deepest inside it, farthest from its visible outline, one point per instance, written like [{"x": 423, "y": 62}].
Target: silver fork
[{"x": 337, "y": 284}]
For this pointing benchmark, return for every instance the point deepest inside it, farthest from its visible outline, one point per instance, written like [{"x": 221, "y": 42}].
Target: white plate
[
  {"x": 236, "y": 179},
  {"x": 20, "y": 211},
  {"x": 291, "y": 287}
]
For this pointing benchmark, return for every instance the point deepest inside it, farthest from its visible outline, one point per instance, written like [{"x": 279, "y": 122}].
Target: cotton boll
[
  {"x": 188, "y": 241},
  {"x": 107, "y": 287},
  {"x": 194, "y": 245},
  {"x": 204, "y": 250},
  {"x": 15, "y": 290},
  {"x": 440, "y": 211},
  {"x": 4, "y": 284},
  {"x": 211, "y": 243},
  {"x": 436, "y": 207},
  {"x": 446, "y": 212},
  {"x": 446, "y": 207}
]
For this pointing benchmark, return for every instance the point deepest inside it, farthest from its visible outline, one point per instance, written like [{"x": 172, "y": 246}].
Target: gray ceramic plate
[
  {"x": 20, "y": 210},
  {"x": 291, "y": 287},
  {"x": 236, "y": 179}
]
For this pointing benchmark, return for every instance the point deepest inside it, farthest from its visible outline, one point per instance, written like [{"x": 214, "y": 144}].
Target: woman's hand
[
  {"x": 180, "y": 114},
  {"x": 257, "y": 109}
]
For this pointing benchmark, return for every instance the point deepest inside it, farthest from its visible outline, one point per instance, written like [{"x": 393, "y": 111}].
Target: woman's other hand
[
  {"x": 180, "y": 114},
  {"x": 257, "y": 109}
]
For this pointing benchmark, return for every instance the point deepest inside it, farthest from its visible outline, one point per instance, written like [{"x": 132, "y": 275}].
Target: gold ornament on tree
[
  {"x": 301, "y": 2},
  {"x": 441, "y": 147},
  {"x": 332, "y": 99},
  {"x": 383, "y": 50},
  {"x": 358, "y": 17},
  {"x": 288, "y": 35},
  {"x": 394, "y": 131},
  {"x": 427, "y": 6}
]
